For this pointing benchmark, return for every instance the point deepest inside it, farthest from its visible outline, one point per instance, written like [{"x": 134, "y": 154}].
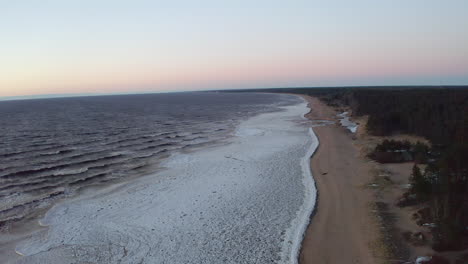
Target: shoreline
[{"x": 310, "y": 200}]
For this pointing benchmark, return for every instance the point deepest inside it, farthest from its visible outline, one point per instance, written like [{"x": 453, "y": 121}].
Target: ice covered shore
[{"x": 247, "y": 201}]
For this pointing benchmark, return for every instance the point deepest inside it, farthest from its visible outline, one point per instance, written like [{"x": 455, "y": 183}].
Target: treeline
[
  {"x": 393, "y": 151},
  {"x": 439, "y": 114}
]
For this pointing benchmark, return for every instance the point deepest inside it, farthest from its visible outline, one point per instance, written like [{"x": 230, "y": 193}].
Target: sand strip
[{"x": 341, "y": 230}]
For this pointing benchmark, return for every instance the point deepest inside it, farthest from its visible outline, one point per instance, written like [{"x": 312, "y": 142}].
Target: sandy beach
[{"x": 341, "y": 229}]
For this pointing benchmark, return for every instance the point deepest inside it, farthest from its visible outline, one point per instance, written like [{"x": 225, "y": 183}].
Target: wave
[
  {"x": 30, "y": 172},
  {"x": 70, "y": 171},
  {"x": 96, "y": 142}
]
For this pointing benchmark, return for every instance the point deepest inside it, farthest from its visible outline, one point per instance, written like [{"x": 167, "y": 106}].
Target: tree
[{"x": 419, "y": 184}]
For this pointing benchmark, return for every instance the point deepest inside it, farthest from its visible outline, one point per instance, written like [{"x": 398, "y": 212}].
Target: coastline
[
  {"x": 342, "y": 229},
  {"x": 240, "y": 201}
]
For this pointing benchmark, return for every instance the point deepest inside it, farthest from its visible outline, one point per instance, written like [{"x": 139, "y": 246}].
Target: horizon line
[{"x": 72, "y": 95}]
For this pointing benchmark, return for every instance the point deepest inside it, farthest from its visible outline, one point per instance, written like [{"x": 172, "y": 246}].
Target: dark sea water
[{"x": 50, "y": 148}]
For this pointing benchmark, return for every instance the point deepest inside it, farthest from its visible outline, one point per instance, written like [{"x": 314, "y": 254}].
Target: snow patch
[
  {"x": 344, "y": 121},
  {"x": 421, "y": 260}
]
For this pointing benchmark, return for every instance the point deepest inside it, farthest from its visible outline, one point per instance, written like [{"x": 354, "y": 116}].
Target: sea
[{"x": 52, "y": 148}]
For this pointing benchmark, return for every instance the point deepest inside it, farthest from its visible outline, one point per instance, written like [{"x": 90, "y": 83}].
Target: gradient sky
[{"x": 106, "y": 46}]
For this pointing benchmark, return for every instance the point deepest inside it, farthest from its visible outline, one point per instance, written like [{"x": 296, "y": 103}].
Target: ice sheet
[{"x": 248, "y": 201}]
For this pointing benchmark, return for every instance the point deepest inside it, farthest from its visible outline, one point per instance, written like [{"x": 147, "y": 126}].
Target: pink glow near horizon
[{"x": 314, "y": 71}]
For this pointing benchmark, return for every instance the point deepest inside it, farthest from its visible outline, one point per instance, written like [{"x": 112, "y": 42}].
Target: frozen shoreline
[
  {"x": 243, "y": 202},
  {"x": 310, "y": 201}
]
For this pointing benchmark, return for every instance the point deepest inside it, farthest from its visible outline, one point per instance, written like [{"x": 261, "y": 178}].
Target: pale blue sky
[{"x": 123, "y": 46}]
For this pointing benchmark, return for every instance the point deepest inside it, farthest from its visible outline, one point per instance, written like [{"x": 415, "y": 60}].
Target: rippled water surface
[{"x": 52, "y": 147}]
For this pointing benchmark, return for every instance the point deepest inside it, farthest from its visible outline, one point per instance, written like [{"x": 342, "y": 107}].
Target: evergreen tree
[{"x": 419, "y": 184}]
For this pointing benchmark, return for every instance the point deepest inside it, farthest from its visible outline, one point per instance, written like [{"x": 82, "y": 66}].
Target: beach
[
  {"x": 249, "y": 198},
  {"x": 246, "y": 199},
  {"x": 342, "y": 228}
]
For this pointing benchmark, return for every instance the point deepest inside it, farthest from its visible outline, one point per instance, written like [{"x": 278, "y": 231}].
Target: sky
[{"x": 115, "y": 46}]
